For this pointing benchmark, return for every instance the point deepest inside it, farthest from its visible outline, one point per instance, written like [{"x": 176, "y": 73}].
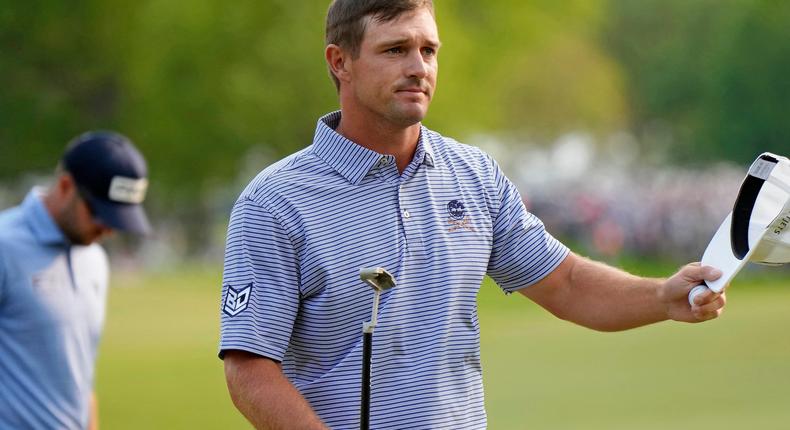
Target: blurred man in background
[
  {"x": 376, "y": 188},
  {"x": 53, "y": 281}
]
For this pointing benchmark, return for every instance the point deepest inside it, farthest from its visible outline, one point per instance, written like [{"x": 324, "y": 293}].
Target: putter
[{"x": 380, "y": 280}]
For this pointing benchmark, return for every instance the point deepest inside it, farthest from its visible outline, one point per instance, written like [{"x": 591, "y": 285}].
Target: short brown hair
[{"x": 345, "y": 20}]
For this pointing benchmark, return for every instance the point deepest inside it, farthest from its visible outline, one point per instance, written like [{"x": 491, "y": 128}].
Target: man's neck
[{"x": 382, "y": 137}]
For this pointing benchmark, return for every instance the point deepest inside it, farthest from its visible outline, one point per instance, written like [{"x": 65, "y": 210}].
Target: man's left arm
[{"x": 603, "y": 298}]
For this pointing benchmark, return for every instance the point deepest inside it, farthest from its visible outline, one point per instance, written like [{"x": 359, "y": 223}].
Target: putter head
[{"x": 377, "y": 277}]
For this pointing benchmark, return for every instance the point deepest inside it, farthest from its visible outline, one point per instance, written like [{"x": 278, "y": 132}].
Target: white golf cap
[{"x": 758, "y": 228}]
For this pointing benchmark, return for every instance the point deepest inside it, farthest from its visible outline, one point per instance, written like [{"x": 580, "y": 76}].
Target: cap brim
[
  {"x": 119, "y": 216},
  {"x": 719, "y": 253}
]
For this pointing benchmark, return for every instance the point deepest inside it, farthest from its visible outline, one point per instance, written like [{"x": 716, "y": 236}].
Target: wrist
[{"x": 661, "y": 296}]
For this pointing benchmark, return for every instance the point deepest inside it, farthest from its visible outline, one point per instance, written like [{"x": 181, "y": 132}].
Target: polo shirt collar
[
  {"x": 424, "y": 153},
  {"x": 354, "y": 161},
  {"x": 40, "y": 221}
]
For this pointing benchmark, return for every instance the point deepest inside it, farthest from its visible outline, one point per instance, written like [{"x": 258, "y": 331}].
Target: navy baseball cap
[{"x": 111, "y": 174}]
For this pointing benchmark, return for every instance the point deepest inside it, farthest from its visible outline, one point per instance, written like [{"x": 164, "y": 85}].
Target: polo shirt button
[{"x": 406, "y": 214}]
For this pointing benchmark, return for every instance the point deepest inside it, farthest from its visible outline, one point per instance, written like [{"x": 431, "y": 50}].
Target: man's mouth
[{"x": 413, "y": 90}]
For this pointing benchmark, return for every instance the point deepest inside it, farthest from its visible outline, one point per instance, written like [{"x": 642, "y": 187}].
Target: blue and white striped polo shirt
[{"x": 302, "y": 229}]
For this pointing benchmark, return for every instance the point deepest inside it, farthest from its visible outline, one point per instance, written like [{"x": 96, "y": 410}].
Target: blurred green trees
[
  {"x": 195, "y": 85},
  {"x": 709, "y": 73},
  {"x": 532, "y": 68},
  {"x": 202, "y": 85}
]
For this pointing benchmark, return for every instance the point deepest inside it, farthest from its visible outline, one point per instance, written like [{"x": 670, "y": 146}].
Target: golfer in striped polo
[{"x": 376, "y": 188}]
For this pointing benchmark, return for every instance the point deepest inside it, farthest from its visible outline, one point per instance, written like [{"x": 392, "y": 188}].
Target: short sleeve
[
  {"x": 523, "y": 252},
  {"x": 260, "y": 283}
]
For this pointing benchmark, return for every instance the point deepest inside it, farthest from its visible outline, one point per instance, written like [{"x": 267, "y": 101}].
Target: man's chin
[{"x": 410, "y": 115}]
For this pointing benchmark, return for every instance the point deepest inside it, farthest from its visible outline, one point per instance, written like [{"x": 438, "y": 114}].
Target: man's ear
[
  {"x": 339, "y": 62},
  {"x": 65, "y": 184},
  {"x": 60, "y": 193}
]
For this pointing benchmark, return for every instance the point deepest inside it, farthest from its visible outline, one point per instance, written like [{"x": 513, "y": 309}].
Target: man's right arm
[{"x": 264, "y": 395}]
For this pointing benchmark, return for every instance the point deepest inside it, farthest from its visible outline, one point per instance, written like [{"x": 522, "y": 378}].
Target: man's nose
[{"x": 417, "y": 66}]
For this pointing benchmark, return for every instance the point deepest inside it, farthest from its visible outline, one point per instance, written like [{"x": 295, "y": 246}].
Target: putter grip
[
  {"x": 699, "y": 289},
  {"x": 367, "y": 353}
]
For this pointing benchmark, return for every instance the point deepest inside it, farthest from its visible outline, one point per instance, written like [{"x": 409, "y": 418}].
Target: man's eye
[
  {"x": 395, "y": 50},
  {"x": 429, "y": 51}
]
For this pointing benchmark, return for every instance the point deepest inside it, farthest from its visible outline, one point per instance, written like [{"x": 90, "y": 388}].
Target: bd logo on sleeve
[{"x": 236, "y": 300}]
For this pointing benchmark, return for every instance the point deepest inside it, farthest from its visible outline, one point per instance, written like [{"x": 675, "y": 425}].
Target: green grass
[
  {"x": 731, "y": 373},
  {"x": 158, "y": 367}
]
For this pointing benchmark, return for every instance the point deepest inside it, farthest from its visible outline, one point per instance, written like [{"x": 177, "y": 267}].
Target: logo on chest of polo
[
  {"x": 459, "y": 219},
  {"x": 236, "y": 300}
]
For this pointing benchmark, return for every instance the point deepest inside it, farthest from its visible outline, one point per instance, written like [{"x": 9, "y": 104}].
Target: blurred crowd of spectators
[{"x": 607, "y": 199}]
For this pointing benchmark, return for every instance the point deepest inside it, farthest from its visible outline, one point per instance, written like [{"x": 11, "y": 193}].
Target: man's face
[
  {"x": 78, "y": 223},
  {"x": 394, "y": 76}
]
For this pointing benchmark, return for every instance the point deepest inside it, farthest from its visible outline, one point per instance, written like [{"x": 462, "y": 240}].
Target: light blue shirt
[
  {"x": 300, "y": 232},
  {"x": 52, "y": 304}
]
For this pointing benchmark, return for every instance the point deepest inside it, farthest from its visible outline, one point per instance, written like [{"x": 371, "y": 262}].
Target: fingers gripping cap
[
  {"x": 758, "y": 228},
  {"x": 112, "y": 175}
]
